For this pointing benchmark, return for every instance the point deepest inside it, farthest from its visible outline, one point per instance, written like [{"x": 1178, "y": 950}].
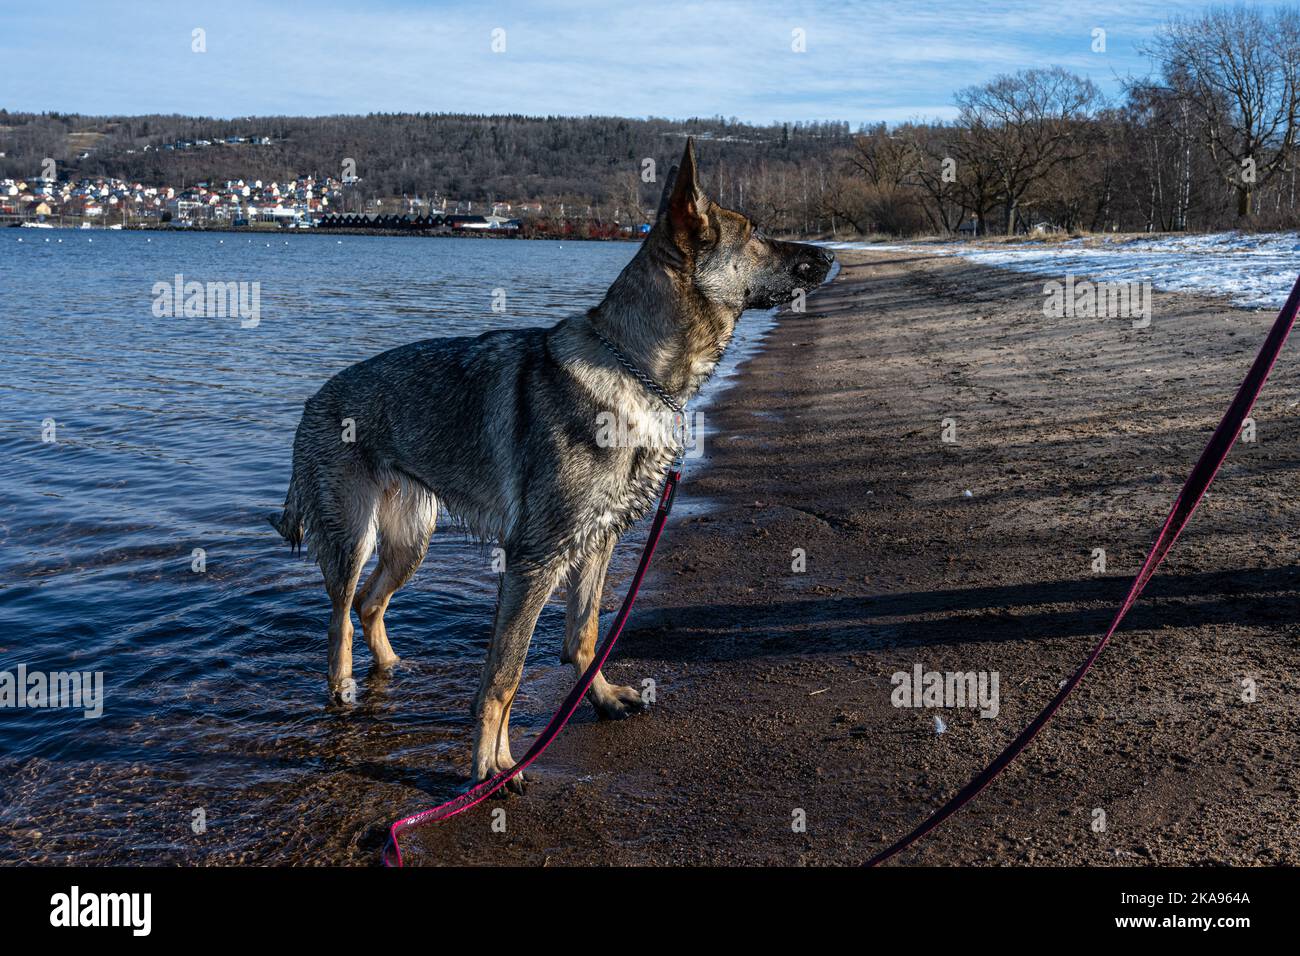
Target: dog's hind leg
[
  {"x": 340, "y": 592},
  {"x": 343, "y": 546},
  {"x": 581, "y": 629},
  {"x": 522, "y": 595},
  {"x": 406, "y": 518}
]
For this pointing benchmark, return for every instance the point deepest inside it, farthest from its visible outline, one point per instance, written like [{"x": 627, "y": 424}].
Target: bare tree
[
  {"x": 845, "y": 197},
  {"x": 935, "y": 175},
  {"x": 1026, "y": 124},
  {"x": 1240, "y": 69},
  {"x": 1080, "y": 194},
  {"x": 978, "y": 177},
  {"x": 889, "y": 162}
]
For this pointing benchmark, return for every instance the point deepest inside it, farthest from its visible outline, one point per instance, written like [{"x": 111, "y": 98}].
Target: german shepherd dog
[{"x": 499, "y": 431}]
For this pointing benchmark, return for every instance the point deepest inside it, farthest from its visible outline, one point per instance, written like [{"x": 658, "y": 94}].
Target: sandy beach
[{"x": 773, "y": 685}]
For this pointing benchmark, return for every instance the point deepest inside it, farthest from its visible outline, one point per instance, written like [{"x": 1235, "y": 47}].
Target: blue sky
[{"x": 864, "y": 61}]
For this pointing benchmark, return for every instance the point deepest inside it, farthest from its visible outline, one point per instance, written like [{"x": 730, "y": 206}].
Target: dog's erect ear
[
  {"x": 687, "y": 202},
  {"x": 667, "y": 193}
]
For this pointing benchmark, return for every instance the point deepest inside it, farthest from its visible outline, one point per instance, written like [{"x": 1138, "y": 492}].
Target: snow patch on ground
[{"x": 1254, "y": 271}]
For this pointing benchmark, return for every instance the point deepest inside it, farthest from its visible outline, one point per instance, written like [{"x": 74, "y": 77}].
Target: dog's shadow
[{"x": 960, "y": 616}]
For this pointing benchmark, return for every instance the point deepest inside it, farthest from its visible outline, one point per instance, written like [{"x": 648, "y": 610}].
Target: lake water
[{"x": 216, "y": 742}]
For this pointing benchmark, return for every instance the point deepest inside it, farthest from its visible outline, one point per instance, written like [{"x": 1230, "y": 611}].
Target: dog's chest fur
[
  {"x": 625, "y": 481},
  {"x": 629, "y": 488}
]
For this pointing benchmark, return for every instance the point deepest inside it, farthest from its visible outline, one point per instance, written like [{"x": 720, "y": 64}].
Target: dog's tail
[{"x": 289, "y": 522}]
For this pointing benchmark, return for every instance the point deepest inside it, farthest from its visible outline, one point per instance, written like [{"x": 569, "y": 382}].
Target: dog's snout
[{"x": 815, "y": 260}]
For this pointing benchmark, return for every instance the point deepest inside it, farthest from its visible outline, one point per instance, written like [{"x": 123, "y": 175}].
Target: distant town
[
  {"x": 301, "y": 203},
  {"x": 305, "y": 203}
]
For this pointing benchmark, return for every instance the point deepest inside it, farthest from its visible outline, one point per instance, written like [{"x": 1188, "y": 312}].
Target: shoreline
[
  {"x": 773, "y": 687},
  {"x": 328, "y": 231}
]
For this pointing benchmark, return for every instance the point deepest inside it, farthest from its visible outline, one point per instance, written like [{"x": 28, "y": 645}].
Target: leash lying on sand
[
  {"x": 480, "y": 792},
  {"x": 1198, "y": 482}
]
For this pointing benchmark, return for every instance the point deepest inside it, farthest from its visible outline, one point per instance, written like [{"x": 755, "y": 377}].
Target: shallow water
[{"x": 216, "y": 742}]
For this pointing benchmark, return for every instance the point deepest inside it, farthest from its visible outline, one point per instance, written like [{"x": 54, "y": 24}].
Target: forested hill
[
  {"x": 1210, "y": 140},
  {"x": 587, "y": 159}
]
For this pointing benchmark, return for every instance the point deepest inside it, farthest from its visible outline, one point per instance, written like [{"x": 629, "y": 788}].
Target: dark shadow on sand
[{"x": 1025, "y": 612}]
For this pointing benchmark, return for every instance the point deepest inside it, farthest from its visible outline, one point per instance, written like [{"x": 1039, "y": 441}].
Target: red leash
[
  {"x": 1198, "y": 482},
  {"x": 480, "y": 792}
]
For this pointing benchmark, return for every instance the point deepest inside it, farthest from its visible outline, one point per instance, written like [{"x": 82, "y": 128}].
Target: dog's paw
[
  {"x": 518, "y": 784},
  {"x": 618, "y": 702},
  {"x": 343, "y": 693}
]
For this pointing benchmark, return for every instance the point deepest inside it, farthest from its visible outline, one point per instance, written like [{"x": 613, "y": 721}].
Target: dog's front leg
[
  {"x": 522, "y": 595},
  {"x": 582, "y": 628}
]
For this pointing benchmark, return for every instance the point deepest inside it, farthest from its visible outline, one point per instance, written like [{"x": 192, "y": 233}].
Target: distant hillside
[
  {"x": 591, "y": 160},
  {"x": 1040, "y": 150}
]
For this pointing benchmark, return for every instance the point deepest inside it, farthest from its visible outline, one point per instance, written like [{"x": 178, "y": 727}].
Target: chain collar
[
  {"x": 661, "y": 393},
  {"x": 650, "y": 384}
]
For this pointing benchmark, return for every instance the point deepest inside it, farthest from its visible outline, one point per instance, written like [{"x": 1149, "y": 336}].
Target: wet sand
[{"x": 773, "y": 686}]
